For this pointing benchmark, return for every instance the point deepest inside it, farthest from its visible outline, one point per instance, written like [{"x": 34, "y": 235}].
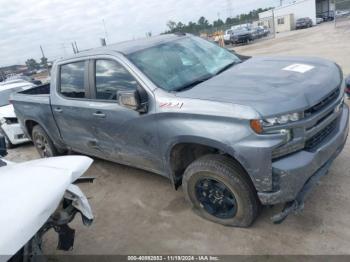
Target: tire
[
  {"x": 43, "y": 143},
  {"x": 9, "y": 145},
  {"x": 221, "y": 170}
]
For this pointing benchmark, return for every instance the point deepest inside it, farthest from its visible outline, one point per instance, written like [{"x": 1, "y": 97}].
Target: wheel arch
[
  {"x": 183, "y": 151},
  {"x": 30, "y": 124}
]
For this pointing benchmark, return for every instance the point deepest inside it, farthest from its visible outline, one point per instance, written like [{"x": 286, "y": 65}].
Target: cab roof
[{"x": 128, "y": 47}]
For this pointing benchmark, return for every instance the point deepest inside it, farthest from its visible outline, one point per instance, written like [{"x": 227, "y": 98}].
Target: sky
[{"x": 54, "y": 24}]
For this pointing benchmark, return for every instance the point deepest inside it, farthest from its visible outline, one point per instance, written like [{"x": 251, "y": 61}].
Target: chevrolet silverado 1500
[{"x": 235, "y": 133}]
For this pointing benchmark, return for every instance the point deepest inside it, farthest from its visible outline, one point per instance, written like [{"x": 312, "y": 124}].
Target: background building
[{"x": 286, "y": 15}]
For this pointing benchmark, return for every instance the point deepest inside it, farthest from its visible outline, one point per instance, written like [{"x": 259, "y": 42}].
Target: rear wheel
[
  {"x": 219, "y": 190},
  {"x": 43, "y": 143}
]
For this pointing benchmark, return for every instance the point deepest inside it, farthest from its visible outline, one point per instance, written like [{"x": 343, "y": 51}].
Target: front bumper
[
  {"x": 14, "y": 133},
  {"x": 291, "y": 173}
]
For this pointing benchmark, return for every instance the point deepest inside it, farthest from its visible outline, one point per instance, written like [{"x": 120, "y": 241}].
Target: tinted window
[
  {"x": 72, "y": 80},
  {"x": 112, "y": 77}
]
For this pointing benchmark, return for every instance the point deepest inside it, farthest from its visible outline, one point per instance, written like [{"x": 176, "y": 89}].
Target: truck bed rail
[{"x": 38, "y": 90}]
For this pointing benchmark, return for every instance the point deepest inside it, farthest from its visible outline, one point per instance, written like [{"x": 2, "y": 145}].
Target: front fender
[{"x": 203, "y": 141}]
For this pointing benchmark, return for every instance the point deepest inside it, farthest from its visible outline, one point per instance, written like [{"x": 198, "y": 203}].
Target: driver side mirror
[{"x": 131, "y": 100}]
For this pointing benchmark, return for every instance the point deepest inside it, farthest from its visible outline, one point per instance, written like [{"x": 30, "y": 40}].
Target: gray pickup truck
[{"x": 235, "y": 132}]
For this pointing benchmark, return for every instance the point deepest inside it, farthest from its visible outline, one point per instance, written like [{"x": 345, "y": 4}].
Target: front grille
[
  {"x": 317, "y": 139},
  {"x": 286, "y": 150},
  {"x": 324, "y": 103}
]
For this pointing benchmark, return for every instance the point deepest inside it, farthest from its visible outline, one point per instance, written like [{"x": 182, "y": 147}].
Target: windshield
[{"x": 178, "y": 64}]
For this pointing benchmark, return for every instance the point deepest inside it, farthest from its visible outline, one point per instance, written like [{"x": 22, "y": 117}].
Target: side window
[
  {"x": 112, "y": 77},
  {"x": 72, "y": 80}
]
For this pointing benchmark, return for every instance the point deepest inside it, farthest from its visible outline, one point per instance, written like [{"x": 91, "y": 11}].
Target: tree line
[
  {"x": 203, "y": 25},
  {"x": 32, "y": 64}
]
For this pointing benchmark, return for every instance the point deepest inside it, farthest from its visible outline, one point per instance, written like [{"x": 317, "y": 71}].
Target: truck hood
[{"x": 271, "y": 85}]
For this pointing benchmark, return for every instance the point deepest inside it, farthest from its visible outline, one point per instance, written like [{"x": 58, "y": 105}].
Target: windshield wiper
[
  {"x": 194, "y": 83},
  {"x": 226, "y": 67}
]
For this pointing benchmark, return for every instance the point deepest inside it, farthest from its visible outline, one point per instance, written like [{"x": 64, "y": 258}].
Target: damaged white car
[
  {"x": 37, "y": 196},
  {"x": 9, "y": 126}
]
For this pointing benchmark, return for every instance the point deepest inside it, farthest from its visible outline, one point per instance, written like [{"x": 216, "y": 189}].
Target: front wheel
[
  {"x": 219, "y": 190},
  {"x": 43, "y": 143}
]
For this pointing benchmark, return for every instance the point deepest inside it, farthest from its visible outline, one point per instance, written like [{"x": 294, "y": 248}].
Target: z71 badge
[{"x": 171, "y": 105}]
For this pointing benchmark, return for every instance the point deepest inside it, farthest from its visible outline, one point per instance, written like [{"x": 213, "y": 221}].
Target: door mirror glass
[{"x": 129, "y": 99}]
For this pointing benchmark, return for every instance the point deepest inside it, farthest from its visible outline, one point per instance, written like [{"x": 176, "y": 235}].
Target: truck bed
[
  {"x": 39, "y": 94},
  {"x": 35, "y": 105},
  {"x": 38, "y": 90}
]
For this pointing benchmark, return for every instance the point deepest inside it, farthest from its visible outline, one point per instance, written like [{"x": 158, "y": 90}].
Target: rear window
[{"x": 72, "y": 80}]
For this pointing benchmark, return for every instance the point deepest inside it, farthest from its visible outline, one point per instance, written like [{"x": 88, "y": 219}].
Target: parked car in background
[
  {"x": 227, "y": 36},
  {"x": 328, "y": 16},
  {"x": 243, "y": 35},
  {"x": 305, "y": 22},
  {"x": 37, "y": 196},
  {"x": 9, "y": 126},
  {"x": 235, "y": 133},
  {"x": 319, "y": 20},
  {"x": 262, "y": 31}
]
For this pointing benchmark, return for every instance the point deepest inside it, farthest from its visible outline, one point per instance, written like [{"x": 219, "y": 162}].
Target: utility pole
[
  {"x": 104, "y": 27},
  {"x": 273, "y": 23},
  {"x": 76, "y": 47},
  {"x": 42, "y": 51},
  {"x": 73, "y": 47},
  {"x": 47, "y": 65},
  {"x": 281, "y": 2}
]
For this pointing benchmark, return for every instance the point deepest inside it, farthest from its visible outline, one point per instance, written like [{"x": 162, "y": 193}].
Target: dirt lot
[{"x": 139, "y": 213}]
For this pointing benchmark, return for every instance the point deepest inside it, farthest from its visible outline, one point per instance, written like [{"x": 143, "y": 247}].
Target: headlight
[
  {"x": 282, "y": 119},
  {"x": 258, "y": 125}
]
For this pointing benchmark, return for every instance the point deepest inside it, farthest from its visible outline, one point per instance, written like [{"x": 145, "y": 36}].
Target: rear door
[{"x": 71, "y": 106}]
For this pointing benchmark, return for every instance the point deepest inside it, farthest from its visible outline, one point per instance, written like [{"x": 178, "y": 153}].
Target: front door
[{"x": 123, "y": 135}]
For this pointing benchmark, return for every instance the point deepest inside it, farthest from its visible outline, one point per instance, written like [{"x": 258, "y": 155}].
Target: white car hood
[
  {"x": 30, "y": 193},
  {"x": 7, "y": 112}
]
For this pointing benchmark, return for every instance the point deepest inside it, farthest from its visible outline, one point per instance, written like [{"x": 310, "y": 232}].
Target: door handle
[
  {"x": 99, "y": 114},
  {"x": 58, "y": 110}
]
